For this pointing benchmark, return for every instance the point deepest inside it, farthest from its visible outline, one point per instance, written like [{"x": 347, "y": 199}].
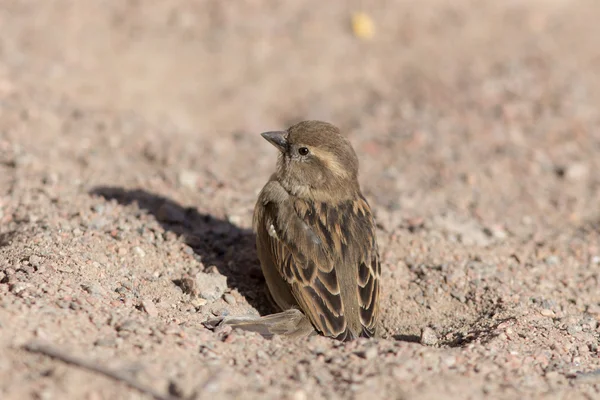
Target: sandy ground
[{"x": 130, "y": 160}]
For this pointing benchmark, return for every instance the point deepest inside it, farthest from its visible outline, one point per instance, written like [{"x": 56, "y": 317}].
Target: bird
[{"x": 316, "y": 239}]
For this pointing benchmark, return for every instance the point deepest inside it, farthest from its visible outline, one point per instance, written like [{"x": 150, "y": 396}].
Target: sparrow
[{"x": 316, "y": 239}]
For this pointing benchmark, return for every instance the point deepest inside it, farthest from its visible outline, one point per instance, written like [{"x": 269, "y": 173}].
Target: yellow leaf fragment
[{"x": 362, "y": 25}]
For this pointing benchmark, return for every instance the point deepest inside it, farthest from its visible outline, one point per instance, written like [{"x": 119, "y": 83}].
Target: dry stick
[{"x": 60, "y": 355}]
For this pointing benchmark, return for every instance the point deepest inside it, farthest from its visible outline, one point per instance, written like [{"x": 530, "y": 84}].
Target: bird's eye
[{"x": 303, "y": 151}]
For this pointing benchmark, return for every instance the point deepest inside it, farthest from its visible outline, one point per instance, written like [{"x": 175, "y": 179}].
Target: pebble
[
  {"x": 299, "y": 395},
  {"x": 129, "y": 325},
  {"x": 496, "y": 232},
  {"x": 211, "y": 286},
  {"x": 64, "y": 268},
  {"x": 428, "y": 337},
  {"x": 449, "y": 361},
  {"x": 235, "y": 219},
  {"x": 188, "y": 286},
  {"x": 19, "y": 288},
  {"x": 368, "y": 354},
  {"x": 35, "y": 261},
  {"x": 199, "y": 302},
  {"x": 574, "y": 329},
  {"x": 27, "y": 269},
  {"x": 93, "y": 289},
  {"x": 138, "y": 251},
  {"x": 510, "y": 333},
  {"x": 547, "y": 313},
  {"x": 148, "y": 306},
  {"x": 552, "y": 260},
  {"x": 229, "y": 299},
  {"x": 221, "y": 312},
  {"x": 223, "y": 329},
  {"x": 576, "y": 172},
  {"x": 188, "y": 178}
]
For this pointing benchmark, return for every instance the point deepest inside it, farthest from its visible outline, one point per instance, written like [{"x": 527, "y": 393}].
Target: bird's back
[{"x": 327, "y": 256}]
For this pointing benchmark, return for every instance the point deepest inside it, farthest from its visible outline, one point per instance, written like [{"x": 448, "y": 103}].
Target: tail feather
[{"x": 290, "y": 323}]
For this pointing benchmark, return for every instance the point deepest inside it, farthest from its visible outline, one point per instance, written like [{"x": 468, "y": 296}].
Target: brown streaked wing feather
[
  {"x": 307, "y": 265},
  {"x": 347, "y": 231},
  {"x": 313, "y": 243},
  {"x": 368, "y": 273}
]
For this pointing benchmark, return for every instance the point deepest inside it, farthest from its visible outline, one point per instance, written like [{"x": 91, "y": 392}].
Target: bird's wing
[
  {"x": 369, "y": 268},
  {"x": 347, "y": 231},
  {"x": 319, "y": 248}
]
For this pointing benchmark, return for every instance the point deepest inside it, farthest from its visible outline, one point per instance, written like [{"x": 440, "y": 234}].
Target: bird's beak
[{"x": 277, "y": 139}]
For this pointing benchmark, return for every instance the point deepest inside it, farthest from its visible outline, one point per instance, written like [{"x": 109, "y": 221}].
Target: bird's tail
[{"x": 290, "y": 323}]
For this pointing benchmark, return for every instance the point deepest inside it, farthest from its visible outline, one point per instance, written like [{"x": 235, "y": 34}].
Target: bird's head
[{"x": 315, "y": 162}]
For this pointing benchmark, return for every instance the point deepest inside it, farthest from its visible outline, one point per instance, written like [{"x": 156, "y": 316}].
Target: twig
[{"x": 58, "y": 354}]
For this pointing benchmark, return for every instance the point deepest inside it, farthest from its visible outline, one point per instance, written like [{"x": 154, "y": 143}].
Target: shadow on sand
[{"x": 215, "y": 241}]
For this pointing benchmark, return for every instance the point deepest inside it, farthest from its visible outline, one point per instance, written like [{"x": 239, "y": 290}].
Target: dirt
[{"x": 130, "y": 161}]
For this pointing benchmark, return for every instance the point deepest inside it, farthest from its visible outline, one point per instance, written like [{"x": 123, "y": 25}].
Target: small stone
[
  {"x": 428, "y": 337},
  {"x": 26, "y": 269},
  {"x": 458, "y": 295},
  {"x": 299, "y": 395},
  {"x": 234, "y": 219},
  {"x": 212, "y": 269},
  {"x": 449, "y": 361},
  {"x": 188, "y": 178},
  {"x": 139, "y": 252},
  {"x": 129, "y": 325},
  {"x": 97, "y": 223},
  {"x": 368, "y": 354},
  {"x": 93, "y": 289},
  {"x": 547, "y": 313},
  {"x": 552, "y": 260},
  {"x": 496, "y": 232},
  {"x": 221, "y": 312},
  {"x": 211, "y": 286},
  {"x": 199, "y": 302},
  {"x": 223, "y": 329},
  {"x": 188, "y": 285},
  {"x": 576, "y": 172},
  {"x": 229, "y": 299},
  {"x": 593, "y": 309},
  {"x": 19, "y": 288},
  {"x": 50, "y": 178},
  {"x": 150, "y": 308},
  {"x": 574, "y": 329},
  {"x": 35, "y": 261}
]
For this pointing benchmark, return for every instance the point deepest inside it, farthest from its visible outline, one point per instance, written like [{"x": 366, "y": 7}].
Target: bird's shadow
[{"x": 215, "y": 241}]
